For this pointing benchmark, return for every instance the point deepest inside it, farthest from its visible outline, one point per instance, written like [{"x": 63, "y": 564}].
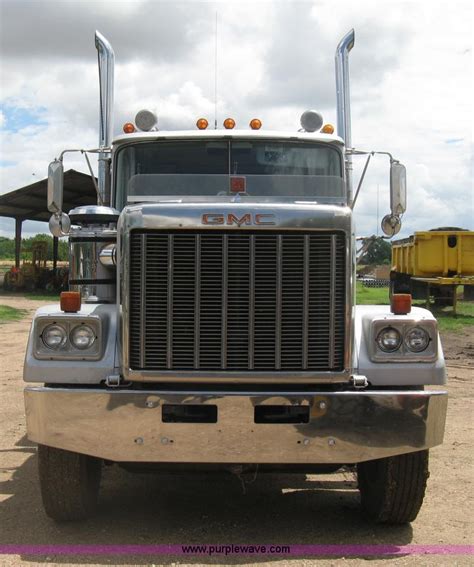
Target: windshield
[{"x": 262, "y": 168}]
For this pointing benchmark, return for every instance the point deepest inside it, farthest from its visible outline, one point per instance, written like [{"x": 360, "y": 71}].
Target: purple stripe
[{"x": 230, "y": 549}]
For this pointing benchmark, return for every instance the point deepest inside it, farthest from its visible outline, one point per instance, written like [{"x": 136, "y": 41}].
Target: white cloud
[{"x": 411, "y": 85}]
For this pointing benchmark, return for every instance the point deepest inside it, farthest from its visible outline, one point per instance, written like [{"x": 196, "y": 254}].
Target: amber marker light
[
  {"x": 202, "y": 123},
  {"x": 255, "y": 124},
  {"x": 70, "y": 301},
  {"x": 400, "y": 303},
  {"x": 129, "y": 128},
  {"x": 327, "y": 129},
  {"x": 229, "y": 123}
]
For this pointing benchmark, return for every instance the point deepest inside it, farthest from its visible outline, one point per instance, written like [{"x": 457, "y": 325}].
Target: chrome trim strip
[
  {"x": 278, "y": 304},
  {"x": 169, "y": 344},
  {"x": 218, "y": 393},
  {"x": 252, "y": 302},
  {"x": 388, "y": 423},
  {"x": 332, "y": 301},
  {"x": 197, "y": 303},
  {"x": 306, "y": 302},
  {"x": 142, "y": 300},
  {"x": 349, "y": 282},
  {"x": 234, "y": 377},
  {"x": 225, "y": 276}
]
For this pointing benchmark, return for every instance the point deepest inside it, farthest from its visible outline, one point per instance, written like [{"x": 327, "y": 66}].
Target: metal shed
[{"x": 30, "y": 203}]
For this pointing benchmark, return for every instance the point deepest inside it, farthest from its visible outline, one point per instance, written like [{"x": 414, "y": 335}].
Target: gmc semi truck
[{"x": 211, "y": 320}]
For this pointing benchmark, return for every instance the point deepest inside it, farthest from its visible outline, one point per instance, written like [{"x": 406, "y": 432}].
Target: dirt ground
[{"x": 187, "y": 509}]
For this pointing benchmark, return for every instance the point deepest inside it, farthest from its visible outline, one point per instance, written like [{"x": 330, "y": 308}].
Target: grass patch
[
  {"x": 446, "y": 320},
  {"x": 463, "y": 319},
  {"x": 371, "y": 295},
  {"x": 8, "y": 313}
]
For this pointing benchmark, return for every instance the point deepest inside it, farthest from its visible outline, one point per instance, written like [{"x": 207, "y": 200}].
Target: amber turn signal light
[
  {"x": 255, "y": 124},
  {"x": 327, "y": 129},
  {"x": 400, "y": 303},
  {"x": 229, "y": 123},
  {"x": 70, "y": 301},
  {"x": 129, "y": 128},
  {"x": 202, "y": 123}
]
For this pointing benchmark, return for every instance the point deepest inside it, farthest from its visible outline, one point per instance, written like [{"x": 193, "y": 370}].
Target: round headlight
[
  {"x": 389, "y": 339},
  {"x": 417, "y": 339},
  {"x": 54, "y": 336},
  {"x": 82, "y": 337}
]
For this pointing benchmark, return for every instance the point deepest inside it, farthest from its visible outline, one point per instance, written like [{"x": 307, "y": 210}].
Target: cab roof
[{"x": 228, "y": 135}]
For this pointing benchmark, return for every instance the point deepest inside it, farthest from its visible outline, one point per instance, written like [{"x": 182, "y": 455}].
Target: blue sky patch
[
  {"x": 17, "y": 117},
  {"x": 7, "y": 163}
]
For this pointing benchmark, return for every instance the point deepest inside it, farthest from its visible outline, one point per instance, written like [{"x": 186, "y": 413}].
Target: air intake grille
[{"x": 237, "y": 301}]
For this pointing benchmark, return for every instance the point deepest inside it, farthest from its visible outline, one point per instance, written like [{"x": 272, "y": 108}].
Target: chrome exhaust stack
[
  {"x": 343, "y": 101},
  {"x": 106, "y": 60}
]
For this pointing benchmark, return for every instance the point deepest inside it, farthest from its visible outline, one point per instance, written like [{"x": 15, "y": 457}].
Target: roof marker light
[
  {"x": 327, "y": 129},
  {"x": 146, "y": 120},
  {"x": 229, "y": 123},
  {"x": 255, "y": 124},
  {"x": 311, "y": 120},
  {"x": 129, "y": 128},
  {"x": 202, "y": 123}
]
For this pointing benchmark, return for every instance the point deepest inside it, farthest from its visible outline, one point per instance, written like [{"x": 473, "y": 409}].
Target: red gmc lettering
[
  {"x": 232, "y": 219},
  {"x": 212, "y": 218},
  {"x": 259, "y": 218}
]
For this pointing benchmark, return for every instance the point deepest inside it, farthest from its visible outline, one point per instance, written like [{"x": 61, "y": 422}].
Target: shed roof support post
[
  {"x": 55, "y": 254},
  {"x": 18, "y": 223}
]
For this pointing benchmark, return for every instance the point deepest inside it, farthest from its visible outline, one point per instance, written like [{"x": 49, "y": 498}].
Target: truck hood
[{"x": 228, "y": 212}]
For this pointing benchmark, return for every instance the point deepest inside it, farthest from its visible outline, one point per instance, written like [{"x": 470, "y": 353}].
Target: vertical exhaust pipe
[
  {"x": 343, "y": 101},
  {"x": 106, "y": 58}
]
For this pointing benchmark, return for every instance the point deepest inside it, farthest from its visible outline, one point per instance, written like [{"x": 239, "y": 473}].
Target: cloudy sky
[{"x": 411, "y": 81}]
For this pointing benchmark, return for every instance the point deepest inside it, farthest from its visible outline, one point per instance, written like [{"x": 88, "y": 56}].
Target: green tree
[
  {"x": 378, "y": 252},
  {"x": 7, "y": 247}
]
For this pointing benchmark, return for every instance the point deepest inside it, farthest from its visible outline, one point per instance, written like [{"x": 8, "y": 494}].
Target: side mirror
[
  {"x": 398, "y": 188},
  {"x": 391, "y": 225},
  {"x": 55, "y": 186},
  {"x": 59, "y": 224}
]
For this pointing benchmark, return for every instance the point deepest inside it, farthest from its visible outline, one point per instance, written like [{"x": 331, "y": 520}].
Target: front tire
[
  {"x": 392, "y": 489},
  {"x": 69, "y": 483}
]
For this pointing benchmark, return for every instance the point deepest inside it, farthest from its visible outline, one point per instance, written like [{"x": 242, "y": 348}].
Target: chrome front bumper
[{"x": 342, "y": 427}]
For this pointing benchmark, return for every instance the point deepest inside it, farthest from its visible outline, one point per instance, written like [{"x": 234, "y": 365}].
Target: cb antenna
[{"x": 215, "y": 75}]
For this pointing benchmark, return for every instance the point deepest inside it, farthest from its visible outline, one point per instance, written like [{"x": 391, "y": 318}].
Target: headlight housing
[
  {"x": 66, "y": 336},
  {"x": 54, "y": 336},
  {"x": 82, "y": 336},
  {"x": 399, "y": 339},
  {"x": 389, "y": 339}
]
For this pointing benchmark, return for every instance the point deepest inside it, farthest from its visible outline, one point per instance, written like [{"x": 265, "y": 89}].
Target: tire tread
[
  {"x": 392, "y": 489},
  {"x": 69, "y": 483}
]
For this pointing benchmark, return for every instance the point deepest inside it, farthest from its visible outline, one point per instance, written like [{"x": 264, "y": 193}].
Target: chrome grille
[{"x": 237, "y": 301}]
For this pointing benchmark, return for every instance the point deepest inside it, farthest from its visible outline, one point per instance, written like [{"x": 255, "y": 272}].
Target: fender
[{"x": 393, "y": 373}]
